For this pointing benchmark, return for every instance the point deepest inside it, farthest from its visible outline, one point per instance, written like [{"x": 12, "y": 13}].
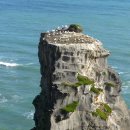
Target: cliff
[{"x": 79, "y": 91}]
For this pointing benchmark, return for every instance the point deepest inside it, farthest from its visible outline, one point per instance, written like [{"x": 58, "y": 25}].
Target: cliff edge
[{"x": 79, "y": 91}]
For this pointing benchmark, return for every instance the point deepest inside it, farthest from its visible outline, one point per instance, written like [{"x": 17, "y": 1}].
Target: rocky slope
[{"x": 79, "y": 91}]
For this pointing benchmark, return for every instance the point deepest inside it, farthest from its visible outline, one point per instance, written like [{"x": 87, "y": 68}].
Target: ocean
[{"x": 22, "y": 21}]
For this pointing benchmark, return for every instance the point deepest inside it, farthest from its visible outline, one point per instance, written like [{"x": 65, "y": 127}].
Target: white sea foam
[
  {"x": 8, "y": 64},
  {"x": 29, "y": 115}
]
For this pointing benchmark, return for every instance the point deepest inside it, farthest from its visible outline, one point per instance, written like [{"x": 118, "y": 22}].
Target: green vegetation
[
  {"x": 109, "y": 84},
  {"x": 75, "y": 28},
  {"x": 69, "y": 84},
  {"x": 103, "y": 112},
  {"x": 94, "y": 114},
  {"x": 107, "y": 108},
  {"x": 96, "y": 90},
  {"x": 104, "y": 73},
  {"x": 71, "y": 107},
  {"x": 82, "y": 80}
]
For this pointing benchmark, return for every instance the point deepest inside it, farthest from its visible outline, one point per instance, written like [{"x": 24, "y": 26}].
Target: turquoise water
[{"x": 21, "y": 22}]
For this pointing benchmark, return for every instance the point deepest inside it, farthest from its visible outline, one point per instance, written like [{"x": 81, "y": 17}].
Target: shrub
[{"x": 76, "y": 28}]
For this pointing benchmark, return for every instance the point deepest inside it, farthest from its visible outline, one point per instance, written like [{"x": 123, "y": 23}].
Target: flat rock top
[
  {"x": 66, "y": 37},
  {"x": 74, "y": 40}
]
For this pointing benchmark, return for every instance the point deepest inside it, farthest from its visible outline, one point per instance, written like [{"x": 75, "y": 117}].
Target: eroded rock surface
[{"x": 79, "y": 91}]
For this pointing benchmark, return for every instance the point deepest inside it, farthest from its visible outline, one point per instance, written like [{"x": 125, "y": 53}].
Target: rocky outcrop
[{"x": 79, "y": 91}]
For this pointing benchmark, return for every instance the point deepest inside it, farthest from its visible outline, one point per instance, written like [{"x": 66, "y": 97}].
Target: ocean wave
[
  {"x": 29, "y": 115},
  {"x": 7, "y": 64},
  {"x": 29, "y": 64},
  {"x": 114, "y": 67},
  {"x": 10, "y": 64},
  {"x": 121, "y": 72},
  {"x": 16, "y": 98},
  {"x": 125, "y": 88},
  {"x": 3, "y": 99}
]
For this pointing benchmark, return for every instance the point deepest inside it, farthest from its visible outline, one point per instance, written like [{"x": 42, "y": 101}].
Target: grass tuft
[
  {"x": 103, "y": 112},
  {"x": 96, "y": 90},
  {"x": 107, "y": 108},
  {"x": 82, "y": 80},
  {"x": 94, "y": 114}
]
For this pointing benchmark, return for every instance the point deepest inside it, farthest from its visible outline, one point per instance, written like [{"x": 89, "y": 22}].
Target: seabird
[
  {"x": 58, "y": 28},
  {"x": 53, "y": 30},
  {"x": 66, "y": 26}
]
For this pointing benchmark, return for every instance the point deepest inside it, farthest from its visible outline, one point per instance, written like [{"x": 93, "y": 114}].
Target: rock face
[{"x": 79, "y": 91}]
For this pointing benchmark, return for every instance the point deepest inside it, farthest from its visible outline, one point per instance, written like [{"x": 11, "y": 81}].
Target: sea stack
[{"x": 79, "y": 90}]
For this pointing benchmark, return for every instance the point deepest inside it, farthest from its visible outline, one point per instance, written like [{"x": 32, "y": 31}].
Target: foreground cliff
[{"x": 79, "y": 91}]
